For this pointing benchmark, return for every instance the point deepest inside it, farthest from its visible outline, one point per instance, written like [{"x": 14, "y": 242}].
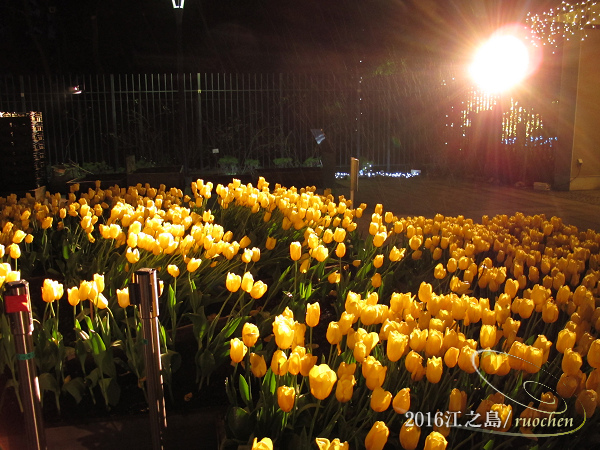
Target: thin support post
[
  {"x": 353, "y": 179},
  {"x": 145, "y": 294},
  {"x": 17, "y": 304}
]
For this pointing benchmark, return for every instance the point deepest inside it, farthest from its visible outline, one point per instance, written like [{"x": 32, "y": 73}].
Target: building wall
[{"x": 579, "y": 115}]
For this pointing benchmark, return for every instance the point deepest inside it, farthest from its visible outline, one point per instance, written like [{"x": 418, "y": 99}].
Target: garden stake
[
  {"x": 17, "y": 304},
  {"x": 145, "y": 293}
]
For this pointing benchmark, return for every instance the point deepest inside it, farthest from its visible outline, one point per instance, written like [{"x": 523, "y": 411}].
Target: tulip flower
[
  {"x": 73, "y": 296},
  {"x": 571, "y": 362},
  {"x": 122, "y": 297},
  {"x": 14, "y": 251},
  {"x": 434, "y": 369},
  {"x": 396, "y": 345},
  {"x": 193, "y": 264},
  {"x": 258, "y": 366},
  {"x": 345, "y": 388},
  {"x": 279, "y": 363},
  {"x": 377, "y": 436},
  {"x": 435, "y": 441},
  {"x": 233, "y": 282},
  {"x": 247, "y": 282},
  {"x": 567, "y": 385},
  {"x": 409, "y": 435},
  {"x": 457, "y": 402},
  {"x": 380, "y": 399},
  {"x": 321, "y": 380},
  {"x": 51, "y": 290},
  {"x": 264, "y": 444},
  {"x": 340, "y": 250},
  {"x": 286, "y": 396},
  {"x": 258, "y": 290},
  {"x": 100, "y": 301},
  {"x": 313, "y": 313},
  {"x": 132, "y": 255},
  {"x": 250, "y": 334},
  {"x": 566, "y": 339},
  {"x": 270, "y": 244},
  {"x": 237, "y": 350},
  {"x": 593, "y": 354},
  {"x": 324, "y": 444},
  {"x": 401, "y": 402},
  {"x": 283, "y": 329},
  {"x": 586, "y": 403}
]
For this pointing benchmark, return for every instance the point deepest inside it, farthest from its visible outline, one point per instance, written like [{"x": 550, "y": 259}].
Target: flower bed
[{"x": 424, "y": 333}]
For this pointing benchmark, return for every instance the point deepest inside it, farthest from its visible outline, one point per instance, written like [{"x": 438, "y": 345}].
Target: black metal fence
[{"x": 254, "y": 120}]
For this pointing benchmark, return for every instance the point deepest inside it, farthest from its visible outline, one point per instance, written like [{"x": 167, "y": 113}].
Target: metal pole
[
  {"x": 17, "y": 304},
  {"x": 145, "y": 293},
  {"x": 353, "y": 179}
]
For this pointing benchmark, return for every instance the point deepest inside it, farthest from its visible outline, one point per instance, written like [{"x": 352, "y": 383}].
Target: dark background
[{"x": 133, "y": 36}]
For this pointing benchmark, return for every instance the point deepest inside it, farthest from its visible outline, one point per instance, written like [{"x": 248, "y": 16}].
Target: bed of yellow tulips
[{"x": 441, "y": 332}]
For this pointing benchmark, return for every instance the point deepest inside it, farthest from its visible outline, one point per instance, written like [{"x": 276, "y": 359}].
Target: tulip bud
[
  {"x": 122, "y": 297},
  {"x": 250, "y": 334},
  {"x": 377, "y": 436},
  {"x": 264, "y": 444},
  {"x": 286, "y": 396},
  {"x": 313, "y": 313},
  {"x": 258, "y": 366},
  {"x": 321, "y": 380},
  {"x": 401, "y": 402},
  {"x": 409, "y": 435},
  {"x": 435, "y": 441},
  {"x": 237, "y": 350},
  {"x": 233, "y": 282}
]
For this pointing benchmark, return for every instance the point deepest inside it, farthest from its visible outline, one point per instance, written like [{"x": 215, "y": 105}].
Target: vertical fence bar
[
  {"x": 17, "y": 304},
  {"x": 145, "y": 294}
]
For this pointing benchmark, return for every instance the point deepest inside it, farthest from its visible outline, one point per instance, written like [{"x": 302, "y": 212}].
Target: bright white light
[{"x": 500, "y": 63}]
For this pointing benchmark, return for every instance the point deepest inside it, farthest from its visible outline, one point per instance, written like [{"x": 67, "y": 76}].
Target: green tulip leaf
[
  {"x": 75, "y": 387},
  {"x": 245, "y": 391},
  {"x": 239, "y": 421}
]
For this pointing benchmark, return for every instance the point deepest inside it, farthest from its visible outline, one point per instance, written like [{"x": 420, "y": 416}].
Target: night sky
[{"x": 132, "y": 36}]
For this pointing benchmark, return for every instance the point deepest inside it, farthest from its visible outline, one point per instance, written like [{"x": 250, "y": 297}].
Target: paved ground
[
  {"x": 404, "y": 197},
  {"x": 452, "y": 197}
]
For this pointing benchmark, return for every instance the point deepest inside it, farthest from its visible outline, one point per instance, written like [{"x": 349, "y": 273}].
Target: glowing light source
[
  {"x": 178, "y": 4},
  {"x": 500, "y": 63}
]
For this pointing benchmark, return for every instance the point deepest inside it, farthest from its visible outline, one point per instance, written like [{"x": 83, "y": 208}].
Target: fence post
[
  {"x": 353, "y": 180},
  {"x": 115, "y": 133},
  {"x": 17, "y": 304},
  {"x": 145, "y": 294}
]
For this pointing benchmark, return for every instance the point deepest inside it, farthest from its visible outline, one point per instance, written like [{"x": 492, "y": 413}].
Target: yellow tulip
[
  {"x": 396, "y": 345},
  {"x": 586, "y": 402},
  {"x": 233, "y": 282},
  {"x": 18, "y": 236},
  {"x": 258, "y": 366},
  {"x": 333, "y": 334},
  {"x": 378, "y": 261},
  {"x": 286, "y": 396},
  {"x": 14, "y": 251},
  {"x": 593, "y": 354},
  {"x": 379, "y": 239},
  {"x": 377, "y": 436},
  {"x": 324, "y": 444},
  {"x": 571, "y": 362},
  {"x": 51, "y": 290},
  {"x": 376, "y": 280},
  {"x": 193, "y": 264},
  {"x": 409, "y": 435},
  {"x": 270, "y": 244},
  {"x": 73, "y": 296},
  {"x": 435, "y": 441},
  {"x": 99, "y": 282},
  {"x": 100, "y": 301},
  {"x": 380, "y": 399},
  {"x": 434, "y": 369},
  {"x": 173, "y": 270},
  {"x": 401, "y": 402},
  {"x": 264, "y": 444},
  {"x": 279, "y": 363},
  {"x": 237, "y": 350},
  {"x": 132, "y": 255},
  {"x": 321, "y": 380},
  {"x": 340, "y": 250},
  {"x": 283, "y": 329},
  {"x": 247, "y": 282},
  {"x": 258, "y": 290},
  {"x": 123, "y": 297},
  {"x": 345, "y": 388},
  {"x": 295, "y": 251},
  {"x": 250, "y": 334},
  {"x": 313, "y": 313},
  {"x": 457, "y": 402}
]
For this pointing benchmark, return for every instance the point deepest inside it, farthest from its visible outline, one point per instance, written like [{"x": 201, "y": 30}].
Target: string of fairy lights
[{"x": 565, "y": 22}]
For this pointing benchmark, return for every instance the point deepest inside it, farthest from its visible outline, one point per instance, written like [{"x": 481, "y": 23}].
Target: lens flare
[{"x": 501, "y": 63}]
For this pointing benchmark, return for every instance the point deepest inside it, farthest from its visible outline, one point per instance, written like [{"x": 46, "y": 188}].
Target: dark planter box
[{"x": 170, "y": 176}]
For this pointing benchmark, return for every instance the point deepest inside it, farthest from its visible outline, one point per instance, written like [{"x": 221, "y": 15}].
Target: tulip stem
[{"x": 314, "y": 420}]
